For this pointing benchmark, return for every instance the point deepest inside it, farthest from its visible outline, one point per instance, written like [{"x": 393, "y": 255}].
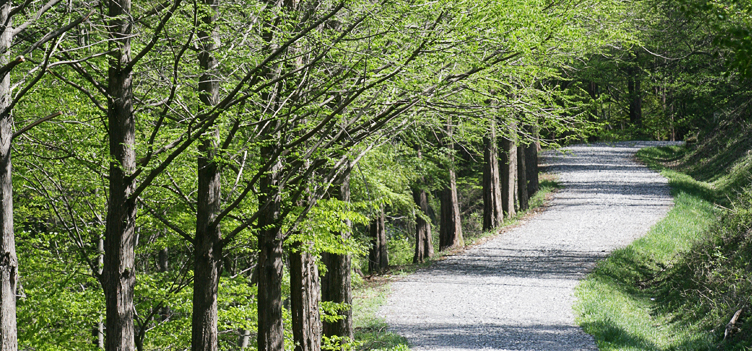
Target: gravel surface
[{"x": 515, "y": 292}]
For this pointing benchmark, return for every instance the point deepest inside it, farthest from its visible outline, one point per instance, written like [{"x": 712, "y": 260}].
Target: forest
[{"x": 218, "y": 175}]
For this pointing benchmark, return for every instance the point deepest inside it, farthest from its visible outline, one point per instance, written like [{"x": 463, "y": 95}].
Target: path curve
[{"x": 515, "y": 292}]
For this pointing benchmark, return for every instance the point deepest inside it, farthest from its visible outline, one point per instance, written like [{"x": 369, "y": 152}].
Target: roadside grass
[
  {"x": 678, "y": 287},
  {"x": 371, "y": 330}
]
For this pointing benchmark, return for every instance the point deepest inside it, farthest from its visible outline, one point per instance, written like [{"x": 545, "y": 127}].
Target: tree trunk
[
  {"x": 244, "y": 340},
  {"x": 304, "y": 291},
  {"x": 423, "y": 237},
  {"x": 207, "y": 247},
  {"x": 508, "y": 176},
  {"x": 493, "y": 214},
  {"x": 336, "y": 284},
  {"x": 522, "y": 195},
  {"x": 97, "y": 332},
  {"x": 163, "y": 260},
  {"x": 270, "y": 330},
  {"x": 635, "y": 98},
  {"x": 531, "y": 165},
  {"x": 8, "y": 259},
  {"x": 378, "y": 255},
  {"x": 450, "y": 230},
  {"x": 207, "y": 250},
  {"x": 119, "y": 274}
]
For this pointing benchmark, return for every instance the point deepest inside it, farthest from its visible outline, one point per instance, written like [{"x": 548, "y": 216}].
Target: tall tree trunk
[
  {"x": 634, "y": 90},
  {"x": 304, "y": 296},
  {"x": 522, "y": 194},
  {"x": 378, "y": 255},
  {"x": 450, "y": 230},
  {"x": 508, "y": 176},
  {"x": 8, "y": 259},
  {"x": 97, "y": 332},
  {"x": 336, "y": 284},
  {"x": 207, "y": 247},
  {"x": 207, "y": 250},
  {"x": 270, "y": 329},
  {"x": 119, "y": 274},
  {"x": 531, "y": 164},
  {"x": 493, "y": 214},
  {"x": 423, "y": 237}
]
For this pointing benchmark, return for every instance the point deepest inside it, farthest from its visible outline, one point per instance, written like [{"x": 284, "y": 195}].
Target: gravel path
[{"x": 516, "y": 292}]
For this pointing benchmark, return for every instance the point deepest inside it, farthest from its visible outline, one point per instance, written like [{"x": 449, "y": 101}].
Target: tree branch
[{"x": 35, "y": 123}]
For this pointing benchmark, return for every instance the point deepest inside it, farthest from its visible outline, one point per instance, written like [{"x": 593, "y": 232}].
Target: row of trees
[
  {"x": 223, "y": 167},
  {"x": 686, "y": 66}
]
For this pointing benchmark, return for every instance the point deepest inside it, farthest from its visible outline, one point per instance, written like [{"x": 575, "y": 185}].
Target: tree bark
[
  {"x": 378, "y": 255},
  {"x": 336, "y": 284},
  {"x": 207, "y": 250},
  {"x": 304, "y": 291},
  {"x": 450, "y": 231},
  {"x": 493, "y": 214},
  {"x": 508, "y": 176},
  {"x": 97, "y": 332},
  {"x": 8, "y": 258},
  {"x": 522, "y": 195},
  {"x": 270, "y": 330},
  {"x": 207, "y": 247},
  {"x": 423, "y": 237},
  {"x": 119, "y": 264},
  {"x": 531, "y": 166}
]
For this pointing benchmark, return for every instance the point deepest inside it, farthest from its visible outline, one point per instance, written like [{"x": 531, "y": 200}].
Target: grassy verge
[
  {"x": 371, "y": 331},
  {"x": 678, "y": 287}
]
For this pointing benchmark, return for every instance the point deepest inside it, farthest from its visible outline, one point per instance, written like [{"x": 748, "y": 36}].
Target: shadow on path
[{"x": 515, "y": 292}]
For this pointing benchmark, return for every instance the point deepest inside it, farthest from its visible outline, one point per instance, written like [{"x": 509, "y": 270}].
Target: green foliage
[
  {"x": 51, "y": 276},
  {"x": 731, "y": 21},
  {"x": 375, "y": 83}
]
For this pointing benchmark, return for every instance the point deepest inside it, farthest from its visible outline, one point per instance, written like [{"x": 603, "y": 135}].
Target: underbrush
[{"x": 679, "y": 287}]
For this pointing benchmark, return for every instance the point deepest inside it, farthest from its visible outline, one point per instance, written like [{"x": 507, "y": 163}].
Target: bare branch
[{"x": 35, "y": 123}]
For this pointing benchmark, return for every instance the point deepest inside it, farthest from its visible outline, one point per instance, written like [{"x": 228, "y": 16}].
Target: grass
[
  {"x": 371, "y": 331},
  {"x": 677, "y": 287}
]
